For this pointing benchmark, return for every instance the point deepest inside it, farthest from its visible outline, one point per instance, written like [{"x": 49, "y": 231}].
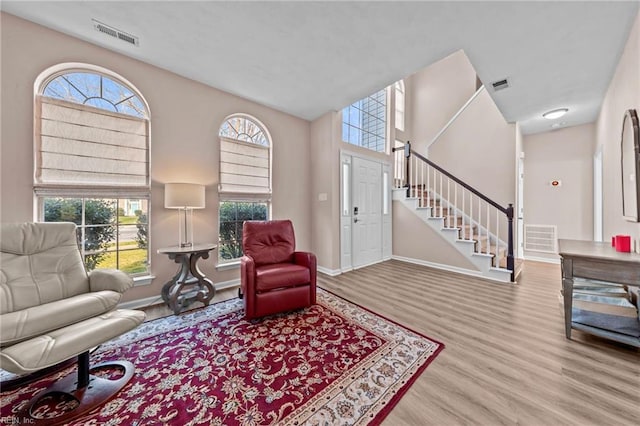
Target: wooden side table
[
  {"x": 189, "y": 284},
  {"x": 599, "y": 261}
]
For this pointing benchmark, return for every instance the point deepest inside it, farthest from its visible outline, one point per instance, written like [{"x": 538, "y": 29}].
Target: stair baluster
[{"x": 431, "y": 194}]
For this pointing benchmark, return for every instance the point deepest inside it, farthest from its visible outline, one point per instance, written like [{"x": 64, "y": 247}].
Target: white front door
[{"x": 366, "y": 212}]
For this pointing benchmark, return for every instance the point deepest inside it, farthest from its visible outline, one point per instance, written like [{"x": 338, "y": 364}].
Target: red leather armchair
[{"x": 274, "y": 277}]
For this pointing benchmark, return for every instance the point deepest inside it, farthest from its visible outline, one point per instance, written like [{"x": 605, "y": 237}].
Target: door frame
[
  {"x": 520, "y": 207},
  {"x": 598, "y": 212},
  {"x": 346, "y": 207}
]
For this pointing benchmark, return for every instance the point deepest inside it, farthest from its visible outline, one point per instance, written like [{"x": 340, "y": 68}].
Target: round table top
[{"x": 192, "y": 249}]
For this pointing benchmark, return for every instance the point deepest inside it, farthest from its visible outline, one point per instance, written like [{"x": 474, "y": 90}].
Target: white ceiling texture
[{"x": 306, "y": 58}]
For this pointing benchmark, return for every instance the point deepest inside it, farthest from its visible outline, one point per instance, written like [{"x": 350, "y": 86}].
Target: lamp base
[{"x": 185, "y": 227}]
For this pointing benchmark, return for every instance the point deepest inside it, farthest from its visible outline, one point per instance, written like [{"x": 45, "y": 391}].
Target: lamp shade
[{"x": 183, "y": 195}]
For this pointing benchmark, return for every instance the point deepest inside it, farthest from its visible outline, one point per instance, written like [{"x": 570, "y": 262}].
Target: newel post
[
  {"x": 407, "y": 155},
  {"x": 510, "y": 260}
]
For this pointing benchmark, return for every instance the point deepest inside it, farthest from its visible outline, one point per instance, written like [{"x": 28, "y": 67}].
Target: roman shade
[
  {"x": 79, "y": 146},
  {"x": 244, "y": 167}
]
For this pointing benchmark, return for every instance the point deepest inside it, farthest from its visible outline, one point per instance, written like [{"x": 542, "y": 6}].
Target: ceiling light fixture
[{"x": 556, "y": 113}]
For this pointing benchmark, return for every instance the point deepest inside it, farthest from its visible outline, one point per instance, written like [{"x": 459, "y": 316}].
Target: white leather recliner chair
[{"x": 51, "y": 310}]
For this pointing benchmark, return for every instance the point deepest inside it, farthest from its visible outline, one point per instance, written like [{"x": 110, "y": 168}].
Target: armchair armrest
[
  {"x": 109, "y": 279},
  {"x": 304, "y": 258},
  {"x": 309, "y": 260},
  {"x": 248, "y": 281}
]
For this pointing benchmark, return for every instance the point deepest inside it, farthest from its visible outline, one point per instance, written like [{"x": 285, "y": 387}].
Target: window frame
[
  {"x": 236, "y": 260},
  {"x": 87, "y": 191},
  {"x": 82, "y": 226},
  {"x": 382, "y": 132},
  {"x": 400, "y": 107},
  {"x": 261, "y": 194}
]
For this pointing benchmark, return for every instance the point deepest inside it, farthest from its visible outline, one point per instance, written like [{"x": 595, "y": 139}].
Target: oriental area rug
[{"x": 333, "y": 363}]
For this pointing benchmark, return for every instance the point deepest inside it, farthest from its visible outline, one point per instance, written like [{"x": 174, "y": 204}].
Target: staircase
[{"x": 477, "y": 227}]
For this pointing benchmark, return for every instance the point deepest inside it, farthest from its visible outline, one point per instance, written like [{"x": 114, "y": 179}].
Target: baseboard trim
[
  {"x": 330, "y": 272},
  {"x": 223, "y": 285},
  {"x": 155, "y": 300},
  {"x": 140, "y": 303},
  {"x": 542, "y": 259},
  {"x": 448, "y": 268}
]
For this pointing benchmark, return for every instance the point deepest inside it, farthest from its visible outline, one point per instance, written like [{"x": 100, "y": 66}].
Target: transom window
[
  {"x": 92, "y": 165},
  {"x": 243, "y": 129},
  {"x": 95, "y": 90},
  {"x": 245, "y": 181},
  {"x": 364, "y": 122}
]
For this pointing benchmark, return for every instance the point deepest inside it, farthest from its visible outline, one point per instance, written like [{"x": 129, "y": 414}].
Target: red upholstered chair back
[{"x": 267, "y": 242}]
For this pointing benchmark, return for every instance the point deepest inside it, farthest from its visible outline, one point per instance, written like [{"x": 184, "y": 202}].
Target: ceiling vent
[
  {"x": 500, "y": 84},
  {"x": 115, "y": 33}
]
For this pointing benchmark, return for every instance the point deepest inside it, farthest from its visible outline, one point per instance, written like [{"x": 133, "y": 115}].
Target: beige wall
[
  {"x": 437, "y": 93},
  {"x": 414, "y": 239},
  {"x": 565, "y": 155},
  {"x": 325, "y": 176},
  {"x": 623, "y": 94},
  {"x": 185, "y": 117},
  {"x": 480, "y": 149}
]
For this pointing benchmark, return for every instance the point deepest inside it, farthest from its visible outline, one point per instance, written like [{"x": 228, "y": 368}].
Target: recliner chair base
[{"x": 87, "y": 390}]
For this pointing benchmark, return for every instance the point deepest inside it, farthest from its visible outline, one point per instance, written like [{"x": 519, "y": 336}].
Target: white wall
[
  {"x": 565, "y": 155},
  {"x": 623, "y": 94},
  {"x": 436, "y": 94},
  {"x": 480, "y": 149},
  {"x": 185, "y": 118}
]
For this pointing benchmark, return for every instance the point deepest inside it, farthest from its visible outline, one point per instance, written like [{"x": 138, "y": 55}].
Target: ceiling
[{"x": 306, "y": 58}]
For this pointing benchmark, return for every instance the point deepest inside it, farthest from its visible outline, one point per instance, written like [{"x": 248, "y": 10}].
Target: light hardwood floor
[{"x": 506, "y": 359}]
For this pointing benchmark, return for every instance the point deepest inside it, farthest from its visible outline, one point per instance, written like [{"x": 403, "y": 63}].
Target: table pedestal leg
[{"x": 177, "y": 292}]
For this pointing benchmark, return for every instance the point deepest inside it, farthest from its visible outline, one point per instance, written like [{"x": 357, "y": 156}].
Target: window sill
[
  {"x": 229, "y": 265},
  {"x": 143, "y": 280}
]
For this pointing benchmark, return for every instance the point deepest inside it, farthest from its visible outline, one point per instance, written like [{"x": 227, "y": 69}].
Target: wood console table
[
  {"x": 189, "y": 284},
  {"x": 598, "y": 261}
]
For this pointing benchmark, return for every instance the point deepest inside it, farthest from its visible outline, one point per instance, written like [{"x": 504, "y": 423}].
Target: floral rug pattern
[{"x": 333, "y": 363}]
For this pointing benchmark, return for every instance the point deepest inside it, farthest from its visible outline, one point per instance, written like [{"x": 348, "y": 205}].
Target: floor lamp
[{"x": 185, "y": 197}]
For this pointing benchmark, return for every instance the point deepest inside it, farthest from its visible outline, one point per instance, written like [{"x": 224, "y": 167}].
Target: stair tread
[{"x": 483, "y": 244}]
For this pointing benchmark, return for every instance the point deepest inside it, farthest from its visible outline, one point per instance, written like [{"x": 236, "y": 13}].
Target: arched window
[
  {"x": 400, "y": 104},
  {"x": 245, "y": 180},
  {"x": 92, "y": 163}
]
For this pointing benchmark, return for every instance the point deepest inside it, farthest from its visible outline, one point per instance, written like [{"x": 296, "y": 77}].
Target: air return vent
[
  {"x": 500, "y": 84},
  {"x": 115, "y": 33},
  {"x": 540, "y": 238}
]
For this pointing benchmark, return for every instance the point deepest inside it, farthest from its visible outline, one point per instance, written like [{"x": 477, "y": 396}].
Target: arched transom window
[
  {"x": 244, "y": 129},
  {"x": 92, "y": 163},
  {"x": 245, "y": 180},
  {"x": 95, "y": 90}
]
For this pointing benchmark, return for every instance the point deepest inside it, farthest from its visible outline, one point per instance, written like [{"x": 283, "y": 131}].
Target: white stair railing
[{"x": 476, "y": 216}]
